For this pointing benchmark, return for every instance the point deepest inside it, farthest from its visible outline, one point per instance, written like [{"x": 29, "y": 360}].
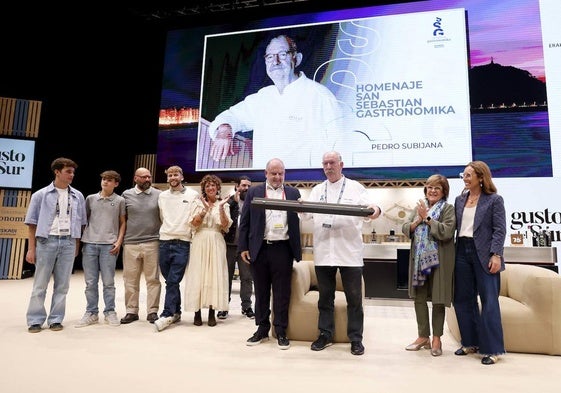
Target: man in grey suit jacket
[{"x": 269, "y": 240}]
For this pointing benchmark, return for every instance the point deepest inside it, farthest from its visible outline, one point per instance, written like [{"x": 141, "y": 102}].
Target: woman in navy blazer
[{"x": 481, "y": 231}]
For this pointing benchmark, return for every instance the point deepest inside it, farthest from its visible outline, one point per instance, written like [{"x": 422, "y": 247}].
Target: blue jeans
[
  {"x": 173, "y": 259},
  {"x": 54, "y": 257},
  {"x": 478, "y": 329},
  {"x": 351, "y": 278},
  {"x": 96, "y": 259}
]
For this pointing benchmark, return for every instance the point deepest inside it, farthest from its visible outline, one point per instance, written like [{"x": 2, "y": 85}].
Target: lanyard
[
  {"x": 340, "y": 192},
  {"x": 67, "y": 207}
]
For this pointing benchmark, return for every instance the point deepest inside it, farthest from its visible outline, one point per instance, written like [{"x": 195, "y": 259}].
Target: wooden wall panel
[
  {"x": 19, "y": 119},
  {"x": 12, "y": 250},
  {"x": 147, "y": 161}
]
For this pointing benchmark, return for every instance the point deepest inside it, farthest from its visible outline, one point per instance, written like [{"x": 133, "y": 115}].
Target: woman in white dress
[{"x": 206, "y": 281}]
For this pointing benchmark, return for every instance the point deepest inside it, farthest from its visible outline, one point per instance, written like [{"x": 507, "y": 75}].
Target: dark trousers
[
  {"x": 246, "y": 282},
  {"x": 351, "y": 278},
  {"x": 478, "y": 329},
  {"x": 272, "y": 269},
  {"x": 173, "y": 258}
]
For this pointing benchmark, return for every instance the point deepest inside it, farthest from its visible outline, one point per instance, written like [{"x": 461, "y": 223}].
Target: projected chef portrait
[{"x": 294, "y": 93}]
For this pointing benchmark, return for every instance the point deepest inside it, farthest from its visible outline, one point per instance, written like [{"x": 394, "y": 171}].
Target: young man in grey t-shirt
[{"x": 102, "y": 240}]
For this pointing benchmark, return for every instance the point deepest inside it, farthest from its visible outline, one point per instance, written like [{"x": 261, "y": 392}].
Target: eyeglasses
[
  {"x": 436, "y": 188},
  {"x": 270, "y": 57},
  {"x": 465, "y": 175}
]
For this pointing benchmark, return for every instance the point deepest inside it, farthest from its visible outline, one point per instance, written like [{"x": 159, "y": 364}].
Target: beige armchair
[
  {"x": 530, "y": 301},
  {"x": 303, "y": 311}
]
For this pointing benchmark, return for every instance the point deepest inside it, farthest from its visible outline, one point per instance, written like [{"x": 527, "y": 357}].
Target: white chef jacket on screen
[{"x": 297, "y": 126}]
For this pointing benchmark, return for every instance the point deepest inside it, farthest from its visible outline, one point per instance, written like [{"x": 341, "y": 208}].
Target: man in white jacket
[
  {"x": 338, "y": 246},
  {"x": 296, "y": 119}
]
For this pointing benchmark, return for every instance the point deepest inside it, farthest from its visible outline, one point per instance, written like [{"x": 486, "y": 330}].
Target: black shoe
[
  {"x": 489, "y": 359},
  {"x": 152, "y": 317},
  {"x": 211, "y": 318},
  {"x": 357, "y": 348},
  {"x": 55, "y": 327},
  {"x": 321, "y": 343},
  {"x": 257, "y": 338},
  {"x": 198, "y": 320},
  {"x": 129, "y": 318},
  {"x": 248, "y": 312},
  {"x": 462, "y": 351},
  {"x": 222, "y": 314},
  {"x": 282, "y": 342},
  {"x": 36, "y": 328}
]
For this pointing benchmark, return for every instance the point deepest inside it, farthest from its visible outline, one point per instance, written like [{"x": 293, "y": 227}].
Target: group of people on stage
[
  {"x": 456, "y": 252},
  {"x": 162, "y": 233},
  {"x": 441, "y": 270}
]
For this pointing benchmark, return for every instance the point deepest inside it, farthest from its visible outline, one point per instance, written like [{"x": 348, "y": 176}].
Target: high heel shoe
[
  {"x": 416, "y": 346},
  {"x": 436, "y": 350}
]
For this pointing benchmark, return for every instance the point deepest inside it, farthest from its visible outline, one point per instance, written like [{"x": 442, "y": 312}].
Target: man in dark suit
[{"x": 269, "y": 240}]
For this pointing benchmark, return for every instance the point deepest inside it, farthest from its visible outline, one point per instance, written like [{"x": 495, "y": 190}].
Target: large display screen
[{"x": 402, "y": 91}]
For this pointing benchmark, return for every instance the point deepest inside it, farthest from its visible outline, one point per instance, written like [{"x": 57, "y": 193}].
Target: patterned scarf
[{"x": 426, "y": 250}]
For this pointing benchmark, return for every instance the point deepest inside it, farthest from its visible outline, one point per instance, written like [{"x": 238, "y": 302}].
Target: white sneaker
[
  {"x": 162, "y": 323},
  {"x": 87, "y": 320},
  {"x": 112, "y": 319},
  {"x": 176, "y": 318}
]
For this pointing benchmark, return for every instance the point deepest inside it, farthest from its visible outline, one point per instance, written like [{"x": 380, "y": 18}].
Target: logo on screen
[{"x": 438, "y": 27}]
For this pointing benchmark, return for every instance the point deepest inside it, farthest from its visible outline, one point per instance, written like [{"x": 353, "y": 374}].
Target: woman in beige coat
[{"x": 431, "y": 229}]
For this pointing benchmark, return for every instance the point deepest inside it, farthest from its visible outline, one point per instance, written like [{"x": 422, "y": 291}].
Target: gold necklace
[{"x": 473, "y": 200}]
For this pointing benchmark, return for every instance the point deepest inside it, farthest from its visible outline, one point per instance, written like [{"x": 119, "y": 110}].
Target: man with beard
[
  {"x": 246, "y": 283},
  {"x": 140, "y": 250},
  {"x": 175, "y": 242}
]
